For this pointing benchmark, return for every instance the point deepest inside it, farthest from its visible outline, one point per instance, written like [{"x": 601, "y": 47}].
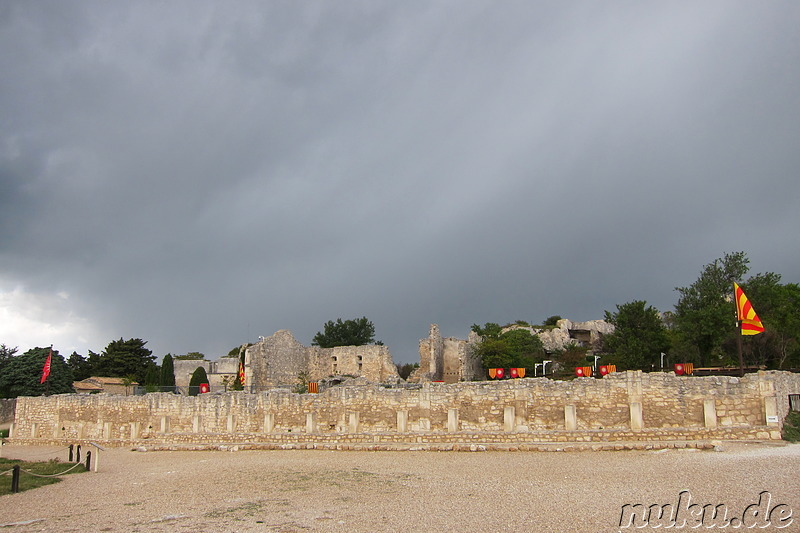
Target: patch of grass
[
  {"x": 27, "y": 481},
  {"x": 791, "y": 427},
  {"x": 4, "y": 433}
]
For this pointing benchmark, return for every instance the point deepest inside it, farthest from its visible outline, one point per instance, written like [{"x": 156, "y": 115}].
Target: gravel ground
[{"x": 293, "y": 491}]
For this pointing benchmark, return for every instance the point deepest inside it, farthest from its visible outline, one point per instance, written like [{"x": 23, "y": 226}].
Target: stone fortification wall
[
  {"x": 619, "y": 407},
  {"x": 7, "y": 408},
  {"x": 447, "y": 359},
  {"x": 275, "y": 360},
  {"x": 216, "y": 370},
  {"x": 279, "y": 360}
]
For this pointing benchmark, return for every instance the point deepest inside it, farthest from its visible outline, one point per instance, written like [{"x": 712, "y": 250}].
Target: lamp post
[
  {"x": 544, "y": 367},
  {"x": 662, "y": 360},
  {"x": 596, "y": 357},
  {"x": 536, "y": 367}
]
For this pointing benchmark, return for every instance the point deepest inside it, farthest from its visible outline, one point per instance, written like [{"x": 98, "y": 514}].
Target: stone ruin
[
  {"x": 451, "y": 360},
  {"x": 280, "y": 360}
]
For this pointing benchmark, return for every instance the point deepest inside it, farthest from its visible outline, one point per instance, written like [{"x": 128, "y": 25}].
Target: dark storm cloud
[{"x": 198, "y": 175}]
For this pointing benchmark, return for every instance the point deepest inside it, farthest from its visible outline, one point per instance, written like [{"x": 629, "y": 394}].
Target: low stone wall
[
  {"x": 621, "y": 407},
  {"x": 7, "y": 408}
]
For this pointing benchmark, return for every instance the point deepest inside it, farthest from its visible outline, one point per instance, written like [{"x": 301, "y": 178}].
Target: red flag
[{"x": 46, "y": 368}]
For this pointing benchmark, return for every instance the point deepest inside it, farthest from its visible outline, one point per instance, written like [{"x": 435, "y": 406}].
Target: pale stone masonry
[
  {"x": 280, "y": 360},
  {"x": 626, "y": 406}
]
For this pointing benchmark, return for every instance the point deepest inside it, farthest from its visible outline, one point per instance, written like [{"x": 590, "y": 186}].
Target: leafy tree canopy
[
  {"x": 356, "y": 332},
  {"x": 490, "y": 329},
  {"x": 6, "y": 353},
  {"x": 125, "y": 358},
  {"x": 22, "y": 375},
  {"x": 778, "y": 307},
  {"x": 516, "y": 348},
  {"x": 552, "y": 320},
  {"x": 639, "y": 335},
  {"x": 703, "y": 315},
  {"x": 191, "y": 356}
]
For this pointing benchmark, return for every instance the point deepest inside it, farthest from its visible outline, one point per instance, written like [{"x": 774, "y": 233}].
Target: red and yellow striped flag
[
  {"x": 751, "y": 324},
  {"x": 241, "y": 373}
]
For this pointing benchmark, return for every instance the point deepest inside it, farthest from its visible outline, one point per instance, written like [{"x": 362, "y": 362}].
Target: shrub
[
  {"x": 791, "y": 427},
  {"x": 199, "y": 376}
]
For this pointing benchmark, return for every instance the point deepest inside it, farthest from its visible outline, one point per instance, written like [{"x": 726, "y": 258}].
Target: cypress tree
[
  {"x": 199, "y": 376},
  {"x": 167, "y": 372}
]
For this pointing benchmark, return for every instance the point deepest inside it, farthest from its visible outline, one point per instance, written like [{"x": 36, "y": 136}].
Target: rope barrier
[
  {"x": 73, "y": 467},
  {"x": 59, "y": 450},
  {"x": 6, "y": 472}
]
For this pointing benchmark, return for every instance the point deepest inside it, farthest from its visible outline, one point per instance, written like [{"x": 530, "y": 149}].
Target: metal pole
[{"x": 89, "y": 460}]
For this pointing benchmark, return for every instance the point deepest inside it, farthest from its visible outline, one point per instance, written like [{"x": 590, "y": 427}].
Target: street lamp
[
  {"x": 662, "y": 360},
  {"x": 544, "y": 367},
  {"x": 536, "y": 367},
  {"x": 596, "y": 357}
]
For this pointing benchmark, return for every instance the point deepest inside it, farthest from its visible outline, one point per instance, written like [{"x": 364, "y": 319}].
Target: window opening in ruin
[{"x": 794, "y": 402}]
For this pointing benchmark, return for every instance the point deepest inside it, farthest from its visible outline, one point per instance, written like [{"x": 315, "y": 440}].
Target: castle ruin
[{"x": 280, "y": 360}]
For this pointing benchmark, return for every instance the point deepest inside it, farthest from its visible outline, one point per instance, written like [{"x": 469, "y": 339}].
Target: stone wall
[
  {"x": 279, "y": 359},
  {"x": 217, "y": 371},
  {"x": 626, "y": 406},
  {"x": 447, "y": 359},
  {"x": 7, "y": 408}
]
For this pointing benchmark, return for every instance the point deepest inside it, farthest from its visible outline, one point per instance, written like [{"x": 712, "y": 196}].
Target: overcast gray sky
[{"x": 197, "y": 174}]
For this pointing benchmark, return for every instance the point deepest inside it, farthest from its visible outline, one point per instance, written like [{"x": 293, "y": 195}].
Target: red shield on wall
[
  {"x": 679, "y": 369},
  {"x": 603, "y": 370},
  {"x": 579, "y": 371},
  {"x": 513, "y": 372},
  {"x": 500, "y": 373},
  {"x": 204, "y": 387}
]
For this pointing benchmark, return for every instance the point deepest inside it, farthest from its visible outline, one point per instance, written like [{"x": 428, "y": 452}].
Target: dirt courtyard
[{"x": 308, "y": 491}]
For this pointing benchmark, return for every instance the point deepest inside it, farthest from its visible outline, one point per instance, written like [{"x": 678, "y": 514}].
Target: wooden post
[{"x": 15, "y": 479}]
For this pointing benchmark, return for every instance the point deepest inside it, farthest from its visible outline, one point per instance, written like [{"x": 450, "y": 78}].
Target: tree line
[{"x": 701, "y": 329}]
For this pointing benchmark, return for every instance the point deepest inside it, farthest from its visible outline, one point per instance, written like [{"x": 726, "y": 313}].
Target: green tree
[
  {"x": 125, "y": 358},
  {"x": 167, "y": 372},
  {"x": 778, "y": 307},
  {"x": 515, "y": 348},
  {"x": 152, "y": 379},
  {"x": 22, "y": 375},
  {"x": 199, "y": 377},
  {"x": 639, "y": 335},
  {"x": 552, "y": 320},
  {"x": 406, "y": 369},
  {"x": 704, "y": 313},
  {"x": 490, "y": 329},
  {"x": 79, "y": 366},
  {"x": 573, "y": 355},
  {"x": 6, "y": 353},
  {"x": 356, "y": 332},
  {"x": 191, "y": 356},
  {"x": 524, "y": 347}
]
